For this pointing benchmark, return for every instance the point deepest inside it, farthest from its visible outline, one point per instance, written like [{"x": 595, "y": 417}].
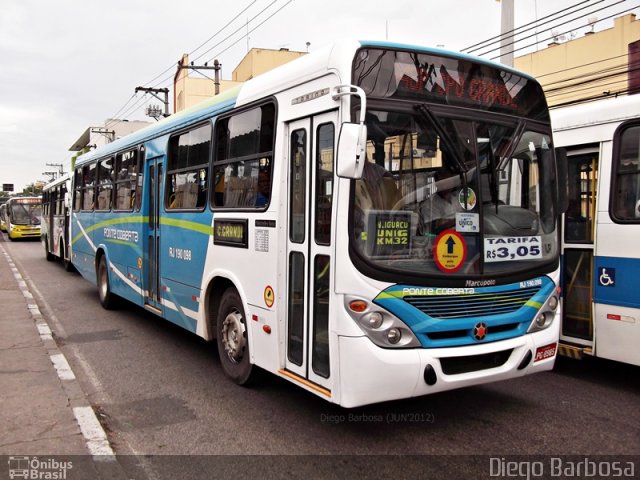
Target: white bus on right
[{"x": 601, "y": 228}]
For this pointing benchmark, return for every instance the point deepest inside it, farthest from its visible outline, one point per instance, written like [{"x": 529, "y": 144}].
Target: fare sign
[{"x": 450, "y": 251}]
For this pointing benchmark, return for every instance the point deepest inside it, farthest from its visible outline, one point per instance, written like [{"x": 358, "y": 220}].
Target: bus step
[{"x": 571, "y": 351}]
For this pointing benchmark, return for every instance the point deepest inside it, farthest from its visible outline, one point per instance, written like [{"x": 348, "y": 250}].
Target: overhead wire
[
  {"x": 253, "y": 29},
  {"x": 555, "y": 26},
  {"x": 532, "y": 25},
  {"x": 203, "y": 43},
  {"x": 563, "y": 33},
  {"x": 123, "y": 111}
]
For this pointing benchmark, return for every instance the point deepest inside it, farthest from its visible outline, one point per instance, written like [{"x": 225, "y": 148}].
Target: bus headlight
[
  {"x": 546, "y": 314},
  {"x": 394, "y": 335},
  {"x": 374, "y": 320},
  {"x": 383, "y": 328}
]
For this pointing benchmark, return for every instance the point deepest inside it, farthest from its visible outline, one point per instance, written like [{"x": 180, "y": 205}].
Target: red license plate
[{"x": 548, "y": 351}]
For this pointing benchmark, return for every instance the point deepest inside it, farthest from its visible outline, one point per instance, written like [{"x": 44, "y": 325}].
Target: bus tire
[
  {"x": 68, "y": 266},
  {"x": 107, "y": 298},
  {"x": 232, "y": 338},
  {"x": 47, "y": 253}
]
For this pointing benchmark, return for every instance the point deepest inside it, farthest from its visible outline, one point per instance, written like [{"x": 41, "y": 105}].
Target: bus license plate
[{"x": 548, "y": 351}]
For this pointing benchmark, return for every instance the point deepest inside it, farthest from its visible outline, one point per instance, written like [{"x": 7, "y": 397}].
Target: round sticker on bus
[
  {"x": 450, "y": 251},
  {"x": 269, "y": 296},
  {"x": 467, "y": 198}
]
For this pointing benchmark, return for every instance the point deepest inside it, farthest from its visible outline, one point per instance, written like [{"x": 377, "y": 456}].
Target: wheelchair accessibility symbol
[{"x": 607, "y": 276}]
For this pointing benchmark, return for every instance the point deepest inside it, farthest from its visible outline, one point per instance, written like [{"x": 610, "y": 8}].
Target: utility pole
[
  {"x": 154, "y": 91},
  {"x": 217, "y": 66},
  {"x": 60, "y": 167},
  {"x": 506, "y": 26}
]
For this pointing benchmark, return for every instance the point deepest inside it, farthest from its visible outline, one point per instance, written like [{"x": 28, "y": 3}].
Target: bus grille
[{"x": 472, "y": 305}]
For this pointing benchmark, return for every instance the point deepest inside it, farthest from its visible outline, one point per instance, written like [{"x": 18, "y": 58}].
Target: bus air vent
[{"x": 473, "y": 363}]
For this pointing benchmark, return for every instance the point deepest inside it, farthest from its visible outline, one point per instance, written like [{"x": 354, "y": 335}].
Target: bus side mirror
[
  {"x": 563, "y": 180},
  {"x": 351, "y": 150}
]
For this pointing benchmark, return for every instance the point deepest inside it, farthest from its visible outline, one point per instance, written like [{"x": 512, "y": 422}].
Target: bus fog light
[
  {"x": 394, "y": 335},
  {"x": 541, "y": 320},
  {"x": 374, "y": 320},
  {"x": 553, "y": 303}
]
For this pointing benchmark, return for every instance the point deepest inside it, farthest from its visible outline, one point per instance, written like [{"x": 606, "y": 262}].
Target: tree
[{"x": 33, "y": 190}]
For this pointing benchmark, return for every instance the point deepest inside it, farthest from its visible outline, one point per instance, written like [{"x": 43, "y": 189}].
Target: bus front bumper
[
  {"x": 25, "y": 232},
  {"x": 370, "y": 374}
]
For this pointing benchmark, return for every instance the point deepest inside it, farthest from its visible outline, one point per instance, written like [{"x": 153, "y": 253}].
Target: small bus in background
[
  {"x": 372, "y": 221},
  {"x": 55, "y": 220},
  {"x": 23, "y": 217},
  {"x": 601, "y": 228},
  {"x": 3, "y": 217}
]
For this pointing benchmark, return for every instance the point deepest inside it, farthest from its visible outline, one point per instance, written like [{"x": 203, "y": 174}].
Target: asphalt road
[{"x": 160, "y": 391}]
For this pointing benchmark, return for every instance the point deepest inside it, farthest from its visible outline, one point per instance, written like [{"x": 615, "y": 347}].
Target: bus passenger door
[
  {"x": 311, "y": 144},
  {"x": 151, "y": 273},
  {"x": 578, "y": 231}
]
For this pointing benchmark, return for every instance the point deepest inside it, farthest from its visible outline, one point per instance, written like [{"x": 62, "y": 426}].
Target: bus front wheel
[
  {"x": 107, "y": 298},
  {"x": 232, "y": 338}
]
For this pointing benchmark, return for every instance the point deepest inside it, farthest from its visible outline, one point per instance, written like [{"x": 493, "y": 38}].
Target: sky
[{"x": 71, "y": 64}]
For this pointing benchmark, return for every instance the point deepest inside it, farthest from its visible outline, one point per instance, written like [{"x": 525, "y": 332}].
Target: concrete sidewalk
[
  {"x": 43, "y": 411},
  {"x": 35, "y": 412}
]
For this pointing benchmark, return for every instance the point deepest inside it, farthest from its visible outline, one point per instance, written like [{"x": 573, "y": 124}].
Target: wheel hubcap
[{"x": 233, "y": 336}]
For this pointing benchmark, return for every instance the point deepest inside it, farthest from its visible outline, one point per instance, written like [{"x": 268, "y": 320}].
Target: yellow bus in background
[{"x": 23, "y": 217}]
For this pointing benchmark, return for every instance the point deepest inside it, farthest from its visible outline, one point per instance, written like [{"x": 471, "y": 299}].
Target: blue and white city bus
[
  {"x": 601, "y": 249},
  {"x": 372, "y": 221}
]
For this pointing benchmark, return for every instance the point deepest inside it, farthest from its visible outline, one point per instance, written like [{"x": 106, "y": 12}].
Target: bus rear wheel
[
  {"x": 232, "y": 338},
  {"x": 48, "y": 254},
  {"x": 107, "y": 298},
  {"x": 68, "y": 266}
]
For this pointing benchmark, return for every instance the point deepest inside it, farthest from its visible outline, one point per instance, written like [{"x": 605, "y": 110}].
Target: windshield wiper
[{"x": 444, "y": 137}]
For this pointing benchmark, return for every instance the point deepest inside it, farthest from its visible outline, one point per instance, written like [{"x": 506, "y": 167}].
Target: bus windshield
[
  {"x": 450, "y": 194},
  {"x": 25, "y": 213}
]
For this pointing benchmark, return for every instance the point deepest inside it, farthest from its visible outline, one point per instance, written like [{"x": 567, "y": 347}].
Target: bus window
[
  {"x": 125, "y": 179},
  {"x": 77, "y": 204},
  {"x": 626, "y": 191},
  {"x": 324, "y": 183},
  {"x": 88, "y": 177},
  {"x": 243, "y": 163},
  {"x": 580, "y": 214},
  {"x": 187, "y": 170},
  {"x": 298, "y": 193},
  {"x": 105, "y": 184}
]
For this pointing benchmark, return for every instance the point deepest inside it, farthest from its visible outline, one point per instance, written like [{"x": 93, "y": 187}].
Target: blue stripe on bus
[
  {"x": 448, "y": 332},
  {"x": 615, "y": 281}
]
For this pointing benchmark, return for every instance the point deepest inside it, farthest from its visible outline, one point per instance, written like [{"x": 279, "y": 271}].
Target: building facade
[
  {"x": 190, "y": 89},
  {"x": 596, "y": 65}
]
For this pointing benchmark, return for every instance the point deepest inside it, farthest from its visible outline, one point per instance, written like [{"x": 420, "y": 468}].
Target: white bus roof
[{"x": 594, "y": 121}]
